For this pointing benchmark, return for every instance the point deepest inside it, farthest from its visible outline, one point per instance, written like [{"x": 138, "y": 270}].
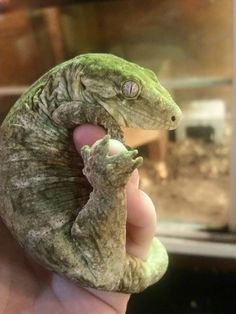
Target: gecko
[{"x": 69, "y": 211}]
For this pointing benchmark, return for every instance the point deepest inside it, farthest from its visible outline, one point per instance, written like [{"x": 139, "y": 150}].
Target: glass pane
[{"x": 189, "y": 46}]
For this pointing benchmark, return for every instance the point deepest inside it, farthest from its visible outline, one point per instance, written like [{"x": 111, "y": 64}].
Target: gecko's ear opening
[
  {"x": 101, "y": 86},
  {"x": 82, "y": 86}
]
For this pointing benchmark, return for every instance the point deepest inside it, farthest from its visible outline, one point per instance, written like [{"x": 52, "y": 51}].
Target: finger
[
  {"x": 87, "y": 134},
  {"x": 141, "y": 220}
]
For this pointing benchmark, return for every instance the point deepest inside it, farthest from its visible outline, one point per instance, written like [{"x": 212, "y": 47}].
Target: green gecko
[{"x": 70, "y": 212}]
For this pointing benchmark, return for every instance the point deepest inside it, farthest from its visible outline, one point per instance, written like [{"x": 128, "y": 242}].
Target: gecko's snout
[{"x": 175, "y": 119}]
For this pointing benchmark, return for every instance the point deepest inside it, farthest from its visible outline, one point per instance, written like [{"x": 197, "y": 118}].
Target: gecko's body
[{"x": 45, "y": 198}]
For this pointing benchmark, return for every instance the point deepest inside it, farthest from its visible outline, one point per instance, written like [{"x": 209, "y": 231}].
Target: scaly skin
[{"x": 45, "y": 186}]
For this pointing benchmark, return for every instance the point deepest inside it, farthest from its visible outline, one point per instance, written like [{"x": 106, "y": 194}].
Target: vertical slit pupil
[{"x": 130, "y": 89}]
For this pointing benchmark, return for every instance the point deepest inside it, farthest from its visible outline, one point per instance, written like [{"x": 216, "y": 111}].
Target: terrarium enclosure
[{"x": 189, "y": 45}]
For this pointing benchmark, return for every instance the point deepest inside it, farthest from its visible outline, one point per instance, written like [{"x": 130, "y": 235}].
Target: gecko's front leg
[{"x": 100, "y": 228}]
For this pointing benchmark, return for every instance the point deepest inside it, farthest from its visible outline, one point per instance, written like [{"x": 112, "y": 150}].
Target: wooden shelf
[
  {"x": 196, "y": 240},
  {"x": 199, "y": 248}
]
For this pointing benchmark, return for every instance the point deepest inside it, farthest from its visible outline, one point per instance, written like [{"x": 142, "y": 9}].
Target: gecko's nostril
[{"x": 173, "y": 118}]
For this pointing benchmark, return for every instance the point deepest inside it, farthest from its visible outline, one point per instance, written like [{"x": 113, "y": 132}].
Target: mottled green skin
[{"x": 45, "y": 197}]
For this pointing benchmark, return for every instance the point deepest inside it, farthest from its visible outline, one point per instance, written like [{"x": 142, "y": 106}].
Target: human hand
[{"x": 26, "y": 287}]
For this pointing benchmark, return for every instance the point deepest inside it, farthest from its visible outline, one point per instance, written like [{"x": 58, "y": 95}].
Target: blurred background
[{"x": 190, "y": 172}]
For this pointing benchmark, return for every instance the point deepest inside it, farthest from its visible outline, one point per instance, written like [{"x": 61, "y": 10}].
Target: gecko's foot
[{"x": 104, "y": 170}]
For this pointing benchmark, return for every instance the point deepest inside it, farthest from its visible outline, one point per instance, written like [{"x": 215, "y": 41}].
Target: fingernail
[{"x": 115, "y": 147}]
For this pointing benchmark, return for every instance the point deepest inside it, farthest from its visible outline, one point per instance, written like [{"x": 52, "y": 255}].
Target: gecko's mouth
[
  {"x": 115, "y": 131},
  {"x": 167, "y": 118}
]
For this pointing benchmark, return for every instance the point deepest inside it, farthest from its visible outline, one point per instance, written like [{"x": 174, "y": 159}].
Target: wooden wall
[{"x": 176, "y": 38}]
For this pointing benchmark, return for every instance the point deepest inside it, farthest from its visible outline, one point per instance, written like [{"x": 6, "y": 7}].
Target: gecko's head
[{"x": 131, "y": 94}]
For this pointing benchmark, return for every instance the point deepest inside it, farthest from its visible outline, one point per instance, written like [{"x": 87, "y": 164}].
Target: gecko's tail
[{"x": 139, "y": 274}]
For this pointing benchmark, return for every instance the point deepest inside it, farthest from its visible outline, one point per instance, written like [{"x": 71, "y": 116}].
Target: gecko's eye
[{"x": 130, "y": 89}]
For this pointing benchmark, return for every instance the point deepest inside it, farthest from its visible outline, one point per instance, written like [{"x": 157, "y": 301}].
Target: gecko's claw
[
  {"x": 85, "y": 153},
  {"x": 103, "y": 169},
  {"x": 101, "y": 147}
]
